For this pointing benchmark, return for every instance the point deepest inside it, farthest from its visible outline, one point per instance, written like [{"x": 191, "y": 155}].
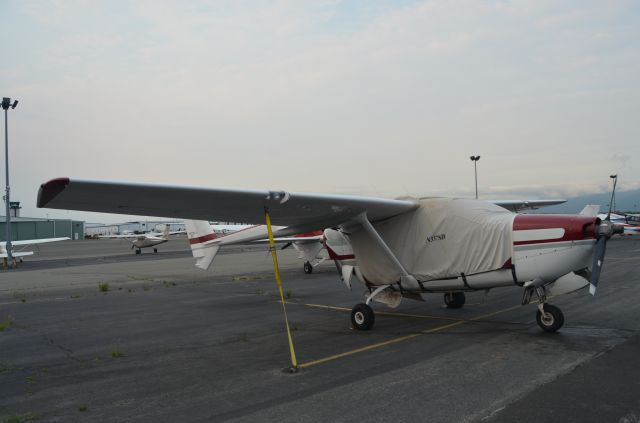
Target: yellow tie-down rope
[{"x": 276, "y": 269}]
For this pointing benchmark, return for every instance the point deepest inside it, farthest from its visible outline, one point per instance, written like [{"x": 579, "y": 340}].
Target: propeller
[{"x": 604, "y": 231}]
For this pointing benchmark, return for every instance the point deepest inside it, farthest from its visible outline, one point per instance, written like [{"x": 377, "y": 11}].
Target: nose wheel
[
  {"x": 549, "y": 317},
  {"x": 454, "y": 299},
  {"x": 362, "y": 317},
  {"x": 308, "y": 268}
]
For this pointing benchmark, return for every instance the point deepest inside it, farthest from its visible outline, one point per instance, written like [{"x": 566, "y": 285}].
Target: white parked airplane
[
  {"x": 404, "y": 247},
  {"x": 146, "y": 240},
  {"x": 310, "y": 246},
  {"x": 22, "y": 244}
]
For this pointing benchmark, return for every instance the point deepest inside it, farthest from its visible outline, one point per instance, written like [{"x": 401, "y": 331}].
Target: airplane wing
[
  {"x": 521, "y": 205},
  {"x": 134, "y": 236},
  {"x": 17, "y": 254},
  {"x": 36, "y": 241},
  {"x": 300, "y": 212}
]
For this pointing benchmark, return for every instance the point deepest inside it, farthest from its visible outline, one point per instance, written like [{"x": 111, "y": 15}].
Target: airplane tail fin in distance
[
  {"x": 590, "y": 210},
  {"x": 165, "y": 229},
  {"x": 201, "y": 239}
]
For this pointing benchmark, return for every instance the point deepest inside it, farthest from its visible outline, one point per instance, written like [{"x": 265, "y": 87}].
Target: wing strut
[
  {"x": 406, "y": 280},
  {"x": 276, "y": 270}
]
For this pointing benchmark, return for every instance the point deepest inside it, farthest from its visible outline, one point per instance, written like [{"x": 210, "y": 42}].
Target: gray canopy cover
[{"x": 442, "y": 238}]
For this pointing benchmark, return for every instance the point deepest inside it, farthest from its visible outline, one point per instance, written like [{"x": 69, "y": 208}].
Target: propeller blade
[{"x": 596, "y": 267}]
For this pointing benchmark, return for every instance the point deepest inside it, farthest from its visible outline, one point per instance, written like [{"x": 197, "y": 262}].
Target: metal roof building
[{"x": 35, "y": 228}]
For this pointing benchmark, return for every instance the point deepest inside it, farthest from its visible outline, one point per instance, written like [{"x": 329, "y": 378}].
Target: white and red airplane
[
  {"x": 404, "y": 247},
  {"x": 146, "y": 240}
]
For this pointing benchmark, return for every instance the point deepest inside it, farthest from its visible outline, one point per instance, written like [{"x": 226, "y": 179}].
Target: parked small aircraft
[
  {"x": 310, "y": 246},
  {"x": 22, "y": 244},
  {"x": 404, "y": 247},
  {"x": 146, "y": 240},
  {"x": 630, "y": 223}
]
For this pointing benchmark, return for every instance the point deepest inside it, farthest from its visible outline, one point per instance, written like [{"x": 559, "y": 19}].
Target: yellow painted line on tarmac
[
  {"x": 399, "y": 339},
  {"x": 382, "y": 313}
]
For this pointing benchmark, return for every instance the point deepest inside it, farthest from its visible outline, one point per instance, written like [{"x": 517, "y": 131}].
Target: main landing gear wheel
[
  {"x": 308, "y": 268},
  {"x": 155, "y": 250},
  {"x": 362, "y": 317},
  {"x": 138, "y": 251},
  {"x": 552, "y": 320},
  {"x": 454, "y": 299}
]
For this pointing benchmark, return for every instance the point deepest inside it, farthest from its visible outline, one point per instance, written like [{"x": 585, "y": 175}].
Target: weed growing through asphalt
[
  {"x": 104, "y": 287},
  {"x": 7, "y": 323},
  {"x": 74, "y": 296},
  {"x": 21, "y": 418},
  {"x": 31, "y": 380},
  {"x": 82, "y": 408},
  {"x": 288, "y": 294},
  {"x": 116, "y": 352},
  {"x": 20, "y": 296}
]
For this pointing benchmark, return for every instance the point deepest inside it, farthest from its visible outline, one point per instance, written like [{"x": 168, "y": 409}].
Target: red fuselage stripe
[
  {"x": 201, "y": 239},
  {"x": 576, "y": 228}
]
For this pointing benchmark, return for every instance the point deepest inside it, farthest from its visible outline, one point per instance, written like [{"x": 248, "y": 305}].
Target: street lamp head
[
  {"x": 474, "y": 158},
  {"x": 613, "y": 176},
  {"x": 15, "y": 103},
  {"x": 6, "y": 102}
]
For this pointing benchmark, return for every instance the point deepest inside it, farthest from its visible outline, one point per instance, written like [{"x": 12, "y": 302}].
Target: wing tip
[{"x": 50, "y": 189}]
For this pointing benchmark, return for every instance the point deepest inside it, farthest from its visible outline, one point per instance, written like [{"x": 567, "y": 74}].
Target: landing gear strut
[
  {"x": 454, "y": 299},
  {"x": 362, "y": 317},
  {"x": 548, "y": 317},
  {"x": 308, "y": 268}
]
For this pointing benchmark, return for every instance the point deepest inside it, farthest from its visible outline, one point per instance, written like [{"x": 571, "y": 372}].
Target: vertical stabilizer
[{"x": 202, "y": 242}]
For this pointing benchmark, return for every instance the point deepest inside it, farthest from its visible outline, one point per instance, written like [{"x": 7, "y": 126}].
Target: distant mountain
[{"x": 628, "y": 201}]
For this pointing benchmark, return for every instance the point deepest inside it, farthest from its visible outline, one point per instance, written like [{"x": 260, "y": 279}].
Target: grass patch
[
  {"x": 74, "y": 296},
  {"x": 20, "y": 296},
  {"x": 116, "y": 352},
  {"x": 21, "y": 418},
  {"x": 104, "y": 287},
  {"x": 288, "y": 294},
  {"x": 82, "y": 408},
  {"x": 7, "y": 323}
]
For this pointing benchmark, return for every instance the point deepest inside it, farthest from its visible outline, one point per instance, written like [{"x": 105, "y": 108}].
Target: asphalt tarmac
[{"x": 169, "y": 342}]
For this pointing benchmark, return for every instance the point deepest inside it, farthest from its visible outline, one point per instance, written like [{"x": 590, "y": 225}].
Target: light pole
[
  {"x": 6, "y": 103},
  {"x": 475, "y": 159},
  {"x": 612, "y": 204}
]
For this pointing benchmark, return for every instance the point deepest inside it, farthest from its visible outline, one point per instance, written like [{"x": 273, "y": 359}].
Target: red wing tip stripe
[
  {"x": 49, "y": 190},
  {"x": 201, "y": 239}
]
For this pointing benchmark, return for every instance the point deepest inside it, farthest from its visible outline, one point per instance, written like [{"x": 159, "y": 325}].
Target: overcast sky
[{"x": 384, "y": 98}]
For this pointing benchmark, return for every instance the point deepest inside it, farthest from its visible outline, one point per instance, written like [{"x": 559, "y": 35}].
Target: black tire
[
  {"x": 138, "y": 251},
  {"x": 362, "y": 317},
  {"x": 553, "y": 321},
  {"x": 454, "y": 299},
  {"x": 308, "y": 268},
  {"x": 155, "y": 250}
]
